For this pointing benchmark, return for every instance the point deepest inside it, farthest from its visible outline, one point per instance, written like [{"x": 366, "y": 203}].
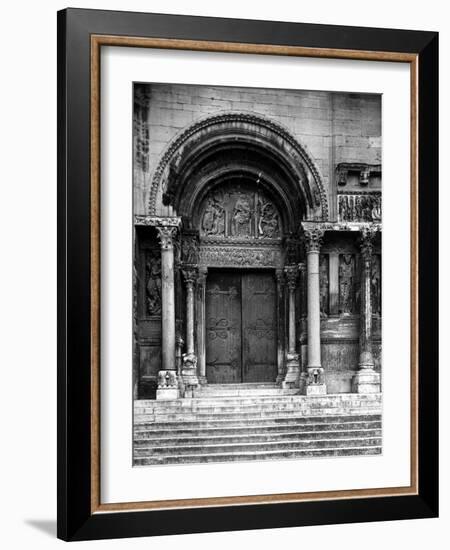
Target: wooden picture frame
[{"x": 81, "y": 35}]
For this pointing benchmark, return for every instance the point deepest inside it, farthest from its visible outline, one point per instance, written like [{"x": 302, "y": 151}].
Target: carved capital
[
  {"x": 313, "y": 239},
  {"x": 291, "y": 272},
  {"x": 279, "y": 275},
  {"x": 166, "y": 236},
  {"x": 190, "y": 275}
]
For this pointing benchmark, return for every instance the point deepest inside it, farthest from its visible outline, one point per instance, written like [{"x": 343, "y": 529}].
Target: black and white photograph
[{"x": 257, "y": 288}]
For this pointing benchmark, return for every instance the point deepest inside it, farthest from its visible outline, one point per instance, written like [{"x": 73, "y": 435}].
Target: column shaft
[
  {"x": 314, "y": 378},
  {"x": 189, "y": 370},
  {"x": 168, "y": 308},
  {"x": 366, "y": 380},
  {"x": 201, "y": 351}
]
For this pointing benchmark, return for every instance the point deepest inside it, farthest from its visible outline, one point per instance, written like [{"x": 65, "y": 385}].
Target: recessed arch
[{"x": 240, "y": 142}]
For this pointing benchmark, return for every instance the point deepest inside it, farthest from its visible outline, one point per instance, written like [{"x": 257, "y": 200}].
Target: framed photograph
[{"x": 247, "y": 274}]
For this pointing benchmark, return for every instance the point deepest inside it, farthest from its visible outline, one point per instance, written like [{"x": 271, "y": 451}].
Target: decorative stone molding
[
  {"x": 228, "y": 256},
  {"x": 365, "y": 171},
  {"x": 233, "y": 120},
  {"x": 158, "y": 221}
]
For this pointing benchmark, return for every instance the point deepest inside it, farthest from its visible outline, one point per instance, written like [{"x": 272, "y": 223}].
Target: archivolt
[{"x": 244, "y": 124}]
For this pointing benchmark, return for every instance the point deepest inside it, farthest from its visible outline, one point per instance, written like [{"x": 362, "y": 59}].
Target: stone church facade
[{"x": 257, "y": 217}]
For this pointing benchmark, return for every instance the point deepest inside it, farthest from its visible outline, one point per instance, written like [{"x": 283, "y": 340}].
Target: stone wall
[{"x": 333, "y": 127}]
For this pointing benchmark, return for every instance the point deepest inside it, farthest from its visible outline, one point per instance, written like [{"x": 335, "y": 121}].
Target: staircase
[{"x": 223, "y": 423}]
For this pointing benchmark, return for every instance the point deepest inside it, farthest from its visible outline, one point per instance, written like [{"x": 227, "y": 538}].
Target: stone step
[
  {"x": 226, "y": 448},
  {"x": 275, "y": 420},
  {"x": 260, "y": 437},
  {"x": 217, "y": 408},
  {"x": 223, "y": 428},
  {"x": 250, "y": 456},
  {"x": 244, "y": 392},
  {"x": 237, "y": 414}
]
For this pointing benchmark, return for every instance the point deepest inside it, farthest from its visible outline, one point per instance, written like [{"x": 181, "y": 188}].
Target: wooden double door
[{"x": 241, "y": 327}]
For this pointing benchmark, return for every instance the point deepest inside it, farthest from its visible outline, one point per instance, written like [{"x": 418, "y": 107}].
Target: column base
[
  {"x": 313, "y": 382},
  {"x": 168, "y": 386},
  {"x": 292, "y": 371},
  {"x": 189, "y": 370},
  {"x": 366, "y": 381}
]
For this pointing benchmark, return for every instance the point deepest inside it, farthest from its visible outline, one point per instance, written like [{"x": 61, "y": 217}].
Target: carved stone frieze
[
  {"x": 228, "y": 256},
  {"x": 157, "y": 221},
  {"x": 359, "y": 207}
]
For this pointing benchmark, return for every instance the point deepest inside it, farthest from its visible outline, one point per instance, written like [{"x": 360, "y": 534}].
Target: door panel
[
  {"x": 241, "y": 328},
  {"x": 223, "y": 328},
  {"x": 259, "y": 328}
]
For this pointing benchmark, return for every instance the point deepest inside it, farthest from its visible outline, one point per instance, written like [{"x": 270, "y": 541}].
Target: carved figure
[
  {"x": 242, "y": 215},
  {"x": 153, "y": 287},
  {"x": 213, "y": 221},
  {"x": 189, "y": 248},
  {"x": 346, "y": 283},
  {"x": 375, "y": 285},
  {"x": 268, "y": 225},
  {"x": 323, "y": 277}
]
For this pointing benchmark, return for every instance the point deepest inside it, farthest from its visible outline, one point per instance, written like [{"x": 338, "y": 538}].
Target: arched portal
[{"x": 241, "y": 185}]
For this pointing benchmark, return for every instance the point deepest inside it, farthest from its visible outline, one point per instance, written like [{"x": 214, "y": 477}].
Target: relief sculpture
[
  {"x": 153, "y": 283},
  {"x": 324, "y": 284},
  {"x": 213, "y": 220},
  {"x": 268, "y": 225},
  {"x": 240, "y": 212},
  {"x": 242, "y": 218},
  {"x": 375, "y": 284},
  {"x": 346, "y": 284},
  {"x": 360, "y": 208}
]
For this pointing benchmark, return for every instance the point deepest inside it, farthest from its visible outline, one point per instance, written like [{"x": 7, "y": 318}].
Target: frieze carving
[
  {"x": 157, "y": 221},
  {"x": 240, "y": 213},
  {"x": 235, "y": 119},
  {"x": 153, "y": 282},
  {"x": 359, "y": 207},
  {"x": 222, "y": 256},
  {"x": 347, "y": 282},
  {"x": 324, "y": 284}
]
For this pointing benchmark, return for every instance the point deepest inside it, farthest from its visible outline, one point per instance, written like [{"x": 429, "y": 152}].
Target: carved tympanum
[{"x": 239, "y": 212}]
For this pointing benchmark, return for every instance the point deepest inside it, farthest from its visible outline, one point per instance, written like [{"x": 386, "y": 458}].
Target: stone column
[
  {"x": 201, "y": 342},
  {"x": 167, "y": 376},
  {"x": 189, "y": 368},
  {"x": 291, "y": 377},
  {"x": 366, "y": 380},
  {"x": 280, "y": 317},
  {"x": 314, "y": 380}
]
